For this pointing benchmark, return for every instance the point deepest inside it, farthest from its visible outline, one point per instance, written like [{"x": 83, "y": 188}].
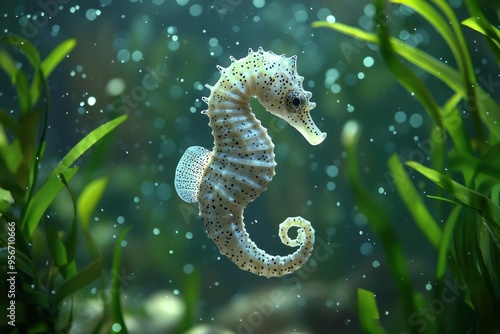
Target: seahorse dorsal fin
[{"x": 190, "y": 171}]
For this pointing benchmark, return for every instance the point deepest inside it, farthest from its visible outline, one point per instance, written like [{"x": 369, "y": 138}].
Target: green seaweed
[
  {"x": 468, "y": 243},
  {"x": 25, "y": 200}
]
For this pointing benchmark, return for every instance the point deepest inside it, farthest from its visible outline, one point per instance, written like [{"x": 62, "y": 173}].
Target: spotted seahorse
[{"x": 240, "y": 166}]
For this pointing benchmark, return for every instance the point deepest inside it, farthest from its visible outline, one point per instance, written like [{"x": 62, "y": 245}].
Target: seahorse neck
[{"x": 233, "y": 123}]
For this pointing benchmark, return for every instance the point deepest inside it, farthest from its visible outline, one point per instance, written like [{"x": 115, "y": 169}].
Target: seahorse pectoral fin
[
  {"x": 190, "y": 171},
  {"x": 304, "y": 123}
]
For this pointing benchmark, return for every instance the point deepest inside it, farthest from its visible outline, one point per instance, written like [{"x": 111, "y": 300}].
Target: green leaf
[
  {"x": 468, "y": 197},
  {"x": 414, "y": 203},
  {"x": 90, "y": 196},
  {"x": 489, "y": 110},
  {"x": 458, "y": 46},
  {"x": 428, "y": 12},
  {"x": 6, "y": 200},
  {"x": 83, "y": 278},
  {"x": 378, "y": 221},
  {"x": 488, "y": 30},
  {"x": 28, "y": 49},
  {"x": 116, "y": 309},
  {"x": 484, "y": 172},
  {"x": 83, "y": 145},
  {"x": 445, "y": 245},
  {"x": 63, "y": 252},
  {"x": 8, "y": 65},
  {"x": 480, "y": 286},
  {"x": 368, "y": 313},
  {"x": 192, "y": 285},
  {"x": 455, "y": 125},
  {"x": 71, "y": 242},
  {"x": 480, "y": 23},
  {"x": 23, "y": 92},
  {"x": 25, "y": 265},
  {"x": 48, "y": 65},
  {"x": 66, "y": 267},
  {"x": 12, "y": 155},
  {"x": 56, "y": 56},
  {"x": 9, "y": 122},
  {"x": 405, "y": 76},
  {"x": 41, "y": 201}
]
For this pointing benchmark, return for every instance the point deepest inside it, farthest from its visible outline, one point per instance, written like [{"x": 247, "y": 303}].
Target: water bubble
[
  {"x": 147, "y": 188},
  {"x": 330, "y": 19},
  {"x": 300, "y": 13},
  {"x": 159, "y": 123},
  {"x": 91, "y": 14},
  {"x": 116, "y": 327},
  {"x": 123, "y": 55},
  {"x": 366, "y": 248},
  {"x": 156, "y": 231},
  {"x": 164, "y": 191},
  {"x": 259, "y": 3},
  {"x": 188, "y": 268},
  {"x": 375, "y": 264},
  {"x": 368, "y": 61},
  {"x": 323, "y": 13},
  {"x": 332, "y": 171},
  {"x": 416, "y": 120},
  {"x": 330, "y": 186},
  {"x": 115, "y": 87},
  {"x": 360, "y": 220},
  {"x": 400, "y": 116},
  {"x": 137, "y": 55},
  {"x": 195, "y": 10},
  {"x": 369, "y": 10}
]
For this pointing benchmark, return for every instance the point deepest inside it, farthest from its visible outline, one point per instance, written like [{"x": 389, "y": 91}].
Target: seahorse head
[{"x": 283, "y": 95}]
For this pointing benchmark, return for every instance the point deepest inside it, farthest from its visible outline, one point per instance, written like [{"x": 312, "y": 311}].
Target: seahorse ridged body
[{"x": 240, "y": 166}]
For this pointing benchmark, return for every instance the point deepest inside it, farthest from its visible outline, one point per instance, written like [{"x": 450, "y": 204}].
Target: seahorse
[{"x": 240, "y": 166}]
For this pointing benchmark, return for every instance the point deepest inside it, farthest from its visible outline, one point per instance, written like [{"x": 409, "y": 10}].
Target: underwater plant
[
  {"x": 38, "y": 298},
  {"x": 465, "y": 162}
]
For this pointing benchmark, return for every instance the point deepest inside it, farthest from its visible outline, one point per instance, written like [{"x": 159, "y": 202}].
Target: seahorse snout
[{"x": 304, "y": 123}]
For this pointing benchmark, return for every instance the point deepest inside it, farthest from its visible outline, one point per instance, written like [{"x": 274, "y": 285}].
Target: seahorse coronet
[{"x": 241, "y": 165}]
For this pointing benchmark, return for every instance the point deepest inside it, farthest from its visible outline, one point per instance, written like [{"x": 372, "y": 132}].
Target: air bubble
[
  {"x": 416, "y": 120},
  {"x": 259, "y": 3},
  {"x": 332, "y": 171},
  {"x": 366, "y": 248},
  {"x": 400, "y": 117},
  {"x": 188, "y": 269},
  {"x": 195, "y": 10},
  {"x": 91, "y": 100},
  {"x": 368, "y": 61}
]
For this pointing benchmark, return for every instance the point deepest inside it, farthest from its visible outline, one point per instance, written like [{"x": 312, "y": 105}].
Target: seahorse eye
[{"x": 296, "y": 101}]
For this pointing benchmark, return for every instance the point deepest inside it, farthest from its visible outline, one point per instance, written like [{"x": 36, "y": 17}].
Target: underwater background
[{"x": 149, "y": 60}]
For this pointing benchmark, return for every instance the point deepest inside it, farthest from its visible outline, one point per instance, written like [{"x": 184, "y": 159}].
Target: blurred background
[{"x": 150, "y": 60}]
